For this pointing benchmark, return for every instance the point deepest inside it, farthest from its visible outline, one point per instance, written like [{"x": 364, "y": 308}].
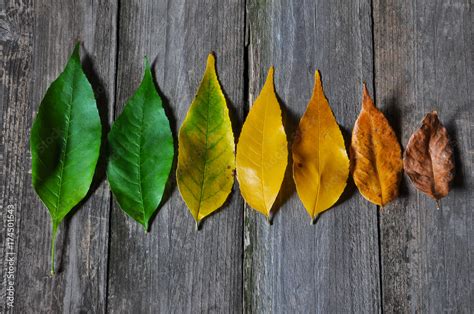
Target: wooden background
[{"x": 416, "y": 56}]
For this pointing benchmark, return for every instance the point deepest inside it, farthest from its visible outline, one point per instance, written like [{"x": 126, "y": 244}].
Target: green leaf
[
  {"x": 141, "y": 152},
  {"x": 65, "y": 143},
  {"x": 206, "y": 159}
]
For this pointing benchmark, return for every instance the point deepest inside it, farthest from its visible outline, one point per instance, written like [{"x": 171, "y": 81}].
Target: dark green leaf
[
  {"x": 141, "y": 153},
  {"x": 65, "y": 143}
]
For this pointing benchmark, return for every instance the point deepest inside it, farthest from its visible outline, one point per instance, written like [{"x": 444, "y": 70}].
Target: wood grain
[
  {"x": 424, "y": 62},
  {"x": 175, "y": 268},
  {"x": 37, "y": 39},
  {"x": 420, "y": 55},
  {"x": 292, "y": 266}
]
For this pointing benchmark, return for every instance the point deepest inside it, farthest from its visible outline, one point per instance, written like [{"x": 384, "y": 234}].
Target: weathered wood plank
[
  {"x": 292, "y": 266},
  {"x": 16, "y": 51},
  {"x": 174, "y": 268},
  {"x": 424, "y": 62},
  {"x": 37, "y": 38}
]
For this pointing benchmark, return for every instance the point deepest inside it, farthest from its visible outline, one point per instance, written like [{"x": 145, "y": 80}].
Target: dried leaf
[
  {"x": 375, "y": 155},
  {"x": 428, "y": 159},
  {"x": 65, "y": 143},
  {"x": 320, "y": 162},
  {"x": 141, "y": 152},
  {"x": 262, "y": 154},
  {"x": 206, "y": 160}
]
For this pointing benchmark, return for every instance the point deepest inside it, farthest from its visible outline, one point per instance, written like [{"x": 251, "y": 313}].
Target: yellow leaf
[
  {"x": 320, "y": 162},
  {"x": 262, "y": 153},
  {"x": 206, "y": 160},
  {"x": 375, "y": 155}
]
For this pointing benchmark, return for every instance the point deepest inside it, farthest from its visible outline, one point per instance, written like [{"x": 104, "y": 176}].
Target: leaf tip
[
  {"x": 317, "y": 80},
  {"x": 147, "y": 62},
  {"x": 366, "y": 100},
  {"x": 434, "y": 114},
  {"x": 271, "y": 71},
  {"x": 365, "y": 89},
  {"x": 317, "y": 75},
  {"x": 148, "y": 70},
  {"x": 269, "y": 81},
  {"x": 77, "y": 50},
  {"x": 270, "y": 75},
  {"x": 211, "y": 59}
]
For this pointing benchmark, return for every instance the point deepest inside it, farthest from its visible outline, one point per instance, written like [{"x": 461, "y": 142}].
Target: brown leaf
[
  {"x": 376, "y": 155},
  {"x": 428, "y": 159}
]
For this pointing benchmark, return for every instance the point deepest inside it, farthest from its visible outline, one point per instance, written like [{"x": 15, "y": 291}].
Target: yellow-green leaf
[
  {"x": 262, "y": 154},
  {"x": 206, "y": 160},
  {"x": 320, "y": 162}
]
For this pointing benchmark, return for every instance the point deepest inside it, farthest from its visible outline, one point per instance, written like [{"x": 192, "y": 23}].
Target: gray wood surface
[
  {"x": 424, "y": 62},
  {"x": 175, "y": 268},
  {"x": 410, "y": 258},
  {"x": 37, "y": 39},
  {"x": 292, "y": 266}
]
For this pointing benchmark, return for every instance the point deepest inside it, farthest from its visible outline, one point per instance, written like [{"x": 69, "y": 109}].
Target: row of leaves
[{"x": 66, "y": 139}]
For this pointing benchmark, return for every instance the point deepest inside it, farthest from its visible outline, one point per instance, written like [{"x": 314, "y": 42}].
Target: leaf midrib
[
  {"x": 66, "y": 142},
  {"x": 372, "y": 145},
  {"x": 140, "y": 139},
  {"x": 433, "y": 181},
  {"x": 319, "y": 159},
  {"x": 262, "y": 184},
  {"x": 206, "y": 151}
]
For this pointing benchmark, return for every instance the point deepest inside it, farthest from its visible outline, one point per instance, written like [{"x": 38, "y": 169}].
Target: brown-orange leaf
[
  {"x": 428, "y": 159},
  {"x": 375, "y": 155}
]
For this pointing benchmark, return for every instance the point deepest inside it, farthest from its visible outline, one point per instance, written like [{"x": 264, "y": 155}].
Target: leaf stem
[
  {"x": 269, "y": 219},
  {"x": 198, "y": 225},
  {"x": 53, "y": 240},
  {"x": 314, "y": 220},
  {"x": 438, "y": 205}
]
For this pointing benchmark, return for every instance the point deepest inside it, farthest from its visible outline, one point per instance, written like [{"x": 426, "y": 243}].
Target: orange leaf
[
  {"x": 320, "y": 162},
  {"x": 375, "y": 155}
]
